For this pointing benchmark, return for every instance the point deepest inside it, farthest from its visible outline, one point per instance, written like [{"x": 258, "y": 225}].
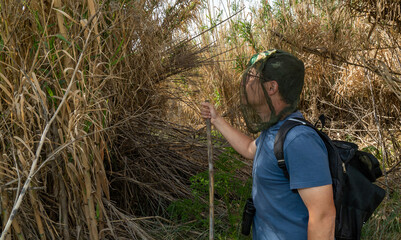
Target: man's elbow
[
  {"x": 251, "y": 150},
  {"x": 249, "y": 155},
  {"x": 327, "y": 216},
  {"x": 330, "y": 217}
]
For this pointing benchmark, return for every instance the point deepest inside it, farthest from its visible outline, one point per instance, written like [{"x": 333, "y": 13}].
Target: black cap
[{"x": 284, "y": 68}]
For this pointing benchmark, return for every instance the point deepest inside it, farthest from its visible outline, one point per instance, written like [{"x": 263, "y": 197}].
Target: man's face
[{"x": 255, "y": 95}]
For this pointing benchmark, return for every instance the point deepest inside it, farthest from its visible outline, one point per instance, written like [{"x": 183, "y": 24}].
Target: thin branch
[{"x": 214, "y": 26}]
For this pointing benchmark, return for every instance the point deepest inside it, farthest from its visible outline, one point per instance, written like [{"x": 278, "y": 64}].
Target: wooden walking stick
[{"x": 211, "y": 178}]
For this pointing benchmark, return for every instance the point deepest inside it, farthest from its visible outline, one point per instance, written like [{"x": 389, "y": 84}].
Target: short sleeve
[{"x": 306, "y": 158}]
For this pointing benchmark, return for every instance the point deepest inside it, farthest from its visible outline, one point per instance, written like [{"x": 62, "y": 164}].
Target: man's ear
[{"x": 271, "y": 87}]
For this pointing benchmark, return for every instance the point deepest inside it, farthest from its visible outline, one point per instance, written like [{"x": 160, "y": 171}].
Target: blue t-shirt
[{"x": 280, "y": 213}]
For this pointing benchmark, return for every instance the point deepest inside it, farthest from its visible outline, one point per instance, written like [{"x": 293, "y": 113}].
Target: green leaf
[
  {"x": 61, "y": 37},
  {"x": 40, "y": 28},
  {"x": 1, "y": 44},
  {"x": 88, "y": 124},
  {"x": 50, "y": 92},
  {"x": 97, "y": 211},
  {"x": 114, "y": 57}
]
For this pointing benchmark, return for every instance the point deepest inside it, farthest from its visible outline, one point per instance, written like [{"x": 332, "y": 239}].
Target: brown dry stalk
[
  {"x": 101, "y": 180},
  {"x": 38, "y": 218},
  {"x": 92, "y": 10},
  {"x": 63, "y": 206},
  {"x": 63, "y": 31},
  {"x": 58, "y": 4},
  {"x": 88, "y": 197},
  {"x": 15, "y": 224},
  {"x": 4, "y": 205},
  {"x": 64, "y": 210}
]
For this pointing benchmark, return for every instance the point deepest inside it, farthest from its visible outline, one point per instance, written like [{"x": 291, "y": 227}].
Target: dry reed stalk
[
  {"x": 58, "y": 4},
  {"x": 17, "y": 228},
  {"x": 101, "y": 180},
  {"x": 5, "y": 214},
  {"x": 88, "y": 196},
  {"x": 38, "y": 218},
  {"x": 92, "y": 10},
  {"x": 63, "y": 206},
  {"x": 5, "y": 203},
  {"x": 64, "y": 211},
  {"x": 98, "y": 198},
  {"x": 102, "y": 184},
  {"x": 65, "y": 53}
]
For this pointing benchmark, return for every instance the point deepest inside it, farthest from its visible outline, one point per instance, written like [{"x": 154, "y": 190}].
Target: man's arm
[
  {"x": 322, "y": 212},
  {"x": 243, "y": 144}
]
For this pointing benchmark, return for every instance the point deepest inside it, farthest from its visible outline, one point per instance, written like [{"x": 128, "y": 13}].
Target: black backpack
[{"x": 352, "y": 172}]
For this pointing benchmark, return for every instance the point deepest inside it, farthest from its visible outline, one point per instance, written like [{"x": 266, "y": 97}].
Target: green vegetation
[
  {"x": 231, "y": 192},
  {"x": 385, "y": 223}
]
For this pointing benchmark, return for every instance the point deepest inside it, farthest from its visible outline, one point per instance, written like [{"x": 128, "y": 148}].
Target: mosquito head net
[{"x": 272, "y": 65}]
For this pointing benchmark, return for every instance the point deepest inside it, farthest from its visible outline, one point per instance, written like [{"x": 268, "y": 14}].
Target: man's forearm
[{"x": 238, "y": 140}]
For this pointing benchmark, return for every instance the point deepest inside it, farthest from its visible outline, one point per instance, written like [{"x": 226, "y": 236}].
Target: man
[{"x": 302, "y": 206}]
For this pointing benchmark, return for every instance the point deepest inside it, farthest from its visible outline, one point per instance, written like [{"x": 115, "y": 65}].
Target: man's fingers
[
  {"x": 206, "y": 113},
  {"x": 206, "y": 107},
  {"x": 206, "y": 104},
  {"x": 207, "y": 110}
]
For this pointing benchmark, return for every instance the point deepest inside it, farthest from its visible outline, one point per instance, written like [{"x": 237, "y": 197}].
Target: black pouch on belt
[{"x": 247, "y": 217}]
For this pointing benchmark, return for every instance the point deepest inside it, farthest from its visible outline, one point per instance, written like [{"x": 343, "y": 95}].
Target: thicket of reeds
[
  {"x": 100, "y": 127},
  {"x": 84, "y": 149}
]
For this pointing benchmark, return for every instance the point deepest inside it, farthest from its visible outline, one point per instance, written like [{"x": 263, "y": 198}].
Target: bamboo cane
[{"x": 211, "y": 178}]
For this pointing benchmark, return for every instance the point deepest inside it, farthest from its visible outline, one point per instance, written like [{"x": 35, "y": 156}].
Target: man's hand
[
  {"x": 242, "y": 143},
  {"x": 209, "y": 112},
  {"x": 322, "y": 212}
]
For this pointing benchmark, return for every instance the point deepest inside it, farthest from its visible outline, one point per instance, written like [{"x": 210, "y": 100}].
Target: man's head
[{"x": 270, "y": 88}]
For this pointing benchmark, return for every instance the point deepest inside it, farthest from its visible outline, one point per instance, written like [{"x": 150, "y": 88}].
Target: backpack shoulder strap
[{"x": 280, "y": 137}]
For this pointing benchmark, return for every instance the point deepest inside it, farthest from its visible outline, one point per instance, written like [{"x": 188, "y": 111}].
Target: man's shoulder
[{"x": 302, "y": 133}]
